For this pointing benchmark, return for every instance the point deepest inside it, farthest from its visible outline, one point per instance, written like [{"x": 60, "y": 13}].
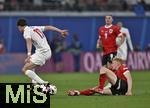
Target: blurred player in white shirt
[
  {"x": 123, "y": 49},
  {"x": 34, "y": 36}
]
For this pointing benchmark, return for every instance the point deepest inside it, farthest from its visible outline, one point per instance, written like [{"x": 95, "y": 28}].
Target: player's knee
[
  {"x": 102, "y": 70},
  {"x": 24, "y": 69}
]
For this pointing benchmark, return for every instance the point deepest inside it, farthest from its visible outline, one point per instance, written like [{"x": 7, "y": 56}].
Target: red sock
[
  {"x": 102, "y": 79},
  {"x": 87, "y": 92}
]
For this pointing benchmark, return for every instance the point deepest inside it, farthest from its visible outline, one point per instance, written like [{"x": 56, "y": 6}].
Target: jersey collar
[{"x": 108, "y": 26}]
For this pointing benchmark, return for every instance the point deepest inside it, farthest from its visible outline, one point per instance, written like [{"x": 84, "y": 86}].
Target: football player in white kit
[
  {"x": 123, "y": 49},
  {"x": 34, "y": 35}
]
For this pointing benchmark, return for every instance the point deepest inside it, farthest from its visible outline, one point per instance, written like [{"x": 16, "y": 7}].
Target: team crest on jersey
[{"x": 110, "y": 30}]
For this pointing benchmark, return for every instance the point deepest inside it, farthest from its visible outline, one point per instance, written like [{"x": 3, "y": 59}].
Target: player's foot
[
  {"x": 49, "y": 89},
  {"x": 73, "y": 93},
  {"x": 97, "y": 90},
  {"x": 45, "y": 87}
]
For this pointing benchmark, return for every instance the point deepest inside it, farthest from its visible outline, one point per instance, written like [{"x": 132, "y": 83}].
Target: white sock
[
  {"x": 33, "y": 81},
  {"x": 31, "y": 74}
]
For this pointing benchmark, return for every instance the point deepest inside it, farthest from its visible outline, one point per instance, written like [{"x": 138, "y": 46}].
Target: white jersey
[
  {"x": 122, "y": 50},
  {"x": 38, "y": 38}
]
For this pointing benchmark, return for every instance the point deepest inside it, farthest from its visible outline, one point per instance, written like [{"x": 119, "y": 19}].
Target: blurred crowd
[
  {"x": 72, "y": 5},
  {"x": 59, "y": 46}
]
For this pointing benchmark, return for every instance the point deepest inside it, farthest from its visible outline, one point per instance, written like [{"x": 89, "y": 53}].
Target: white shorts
[
  {"x": 40, "y": 58},
  {"x": 122, "y": 54}
]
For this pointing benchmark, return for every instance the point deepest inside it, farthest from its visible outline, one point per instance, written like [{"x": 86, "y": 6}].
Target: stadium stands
[{"x": 72, "y": 5}]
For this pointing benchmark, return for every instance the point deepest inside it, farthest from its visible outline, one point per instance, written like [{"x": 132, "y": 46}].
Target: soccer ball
[
  {"x": 118, "y": 41},
  {"x": 52, "y": 89}
]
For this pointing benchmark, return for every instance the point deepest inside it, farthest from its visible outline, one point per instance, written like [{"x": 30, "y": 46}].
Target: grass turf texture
[{"x": 64, "y": 82}]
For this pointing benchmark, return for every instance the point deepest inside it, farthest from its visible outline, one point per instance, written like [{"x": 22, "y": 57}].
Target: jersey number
[
  {"x": 106, "y": 35},
  {"x": 39, "y": 33}
]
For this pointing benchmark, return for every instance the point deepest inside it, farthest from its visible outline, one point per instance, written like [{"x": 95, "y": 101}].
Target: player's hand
[
  {"x": 128, "y": 93},
  {"x": 64, "y": 33},
  {"x": 27, "y": 60},
  {"x": 99, "y": 44}
]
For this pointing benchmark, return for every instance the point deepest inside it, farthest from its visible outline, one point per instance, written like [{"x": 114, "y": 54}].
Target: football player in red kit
[
  {"x": 107, "y": 39},
  {"x": 118, "y": 75}
]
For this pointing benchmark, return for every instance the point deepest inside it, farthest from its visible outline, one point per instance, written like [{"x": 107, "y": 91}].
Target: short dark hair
[
  {"x": 118, "y": 60},
  {"x": 21, "y": 22}
]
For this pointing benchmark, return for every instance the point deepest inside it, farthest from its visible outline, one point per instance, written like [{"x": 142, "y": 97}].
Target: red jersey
[
  {"x": 108, "y": 37},
  {"x": 121, "y": 71}
]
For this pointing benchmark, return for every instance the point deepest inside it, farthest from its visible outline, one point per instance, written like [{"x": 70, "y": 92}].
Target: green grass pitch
[{"x": 64, "y": 82}]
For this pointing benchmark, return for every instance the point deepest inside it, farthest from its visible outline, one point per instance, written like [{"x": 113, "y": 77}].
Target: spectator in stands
[
  {"x": 2, "y": 47},
  {"x": 143, "y": 3},
  {"x": 57, "y": 48},
  {"x": 71, "y": 5},
  {"x": 37, "y": 4},
  {"x": 2, "y": 5},
  {"x": 139, "y": 8},
  {"x": 124, "y": 5},
  {"x": 131, "y": 3},
  {"x": 75, "y": 49}
]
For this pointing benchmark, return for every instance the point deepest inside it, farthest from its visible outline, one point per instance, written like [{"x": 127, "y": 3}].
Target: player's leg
[
  {"x": 107, "y": 59},
  {"x": 27, "y": 69},
  {"x": 118, "y": 86},
  {"x": 108, "y": 86},
  {"x": 33, "y": 81},
  {"x": 106, "y": 73},
  {"x": 87, "y": 92},
  {"x": 36, "y": 60},
  {"x": 102, "y": 77},
  {"x": 107, "y": 91},
  {"x": 112, "y": 78}
]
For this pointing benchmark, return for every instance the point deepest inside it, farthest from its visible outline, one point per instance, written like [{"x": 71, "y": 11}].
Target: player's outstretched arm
[
  {"x": 129, "y": 82},
  {"x": 52, "y": 28}
]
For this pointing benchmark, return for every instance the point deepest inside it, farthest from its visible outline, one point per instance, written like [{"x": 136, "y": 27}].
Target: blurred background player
[
  {"x": 123, "y": 49},
  {"x": 34, "y": 35},
  {"x": 75, "y": 49},
  {"x": 107, "y": 39},
  {"x": 57, "y": 49},
  {"x": 118, "y": 75}
]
